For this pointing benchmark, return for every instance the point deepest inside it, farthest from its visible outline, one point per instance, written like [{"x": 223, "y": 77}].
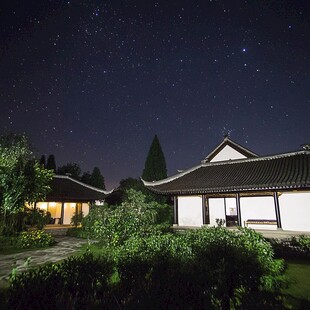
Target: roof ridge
[
  {"x": 229, "y": 142},
  {"x": 169, "y": 179},
  {"x": 267, "y": 157},
  {"x": 83, "y": 184},
  {"x": 219, "y": 163}
]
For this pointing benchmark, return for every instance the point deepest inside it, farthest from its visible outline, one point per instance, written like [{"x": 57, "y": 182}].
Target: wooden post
[
  {"x": 277, "y": 209},
  {"x": 175, "y": 209},
  {"x": 238, "y": 209},
  {"x": 62, "y": 213},
  {"x": 203, "y": 199}
]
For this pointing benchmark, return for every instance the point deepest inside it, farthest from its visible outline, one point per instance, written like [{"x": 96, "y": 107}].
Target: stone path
[{"x": 66, "y": 246}]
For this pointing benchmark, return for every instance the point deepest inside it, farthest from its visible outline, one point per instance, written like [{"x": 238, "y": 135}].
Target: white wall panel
[
  {"x": 295, "y": 211},
  {"x": 216, "y": 210},
  {"x": 258, "y": 208},
  {"x": 190, "y": 210},
  {"x": 227, "y": 153}
]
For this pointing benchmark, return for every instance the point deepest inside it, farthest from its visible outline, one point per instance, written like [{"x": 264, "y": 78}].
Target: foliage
[
  {"x": 35, "y": 217},
  {"x": 35, "y": 239},
  {"x": 76, "y": 283},
  {"x": 204, "y": 269},
  {"x": 42, "y": 161},
  {"x": 85, "y": 178},
  {"x": 71, "y": 169},
  {"x": 114, "y": 225},
  {"x": 77, "y": 218},
  {"x": 220, "y": 222},
  {"x": 77, "y": 232},
  {"x": 51, "y": 163},
  {"x": 295, "y": 247},
  {"x": 21, "y": 179},
  {"x": 155, "y": 164},
  {"x": 209, "y": 268},
  {"x": 96, "y": 179},
  {"x": 119, "y": 195},
  {"x": 303, "y": 242}
]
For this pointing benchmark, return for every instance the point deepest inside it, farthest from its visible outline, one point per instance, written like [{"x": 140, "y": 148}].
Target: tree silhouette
[
  {"x": 96, "y": 179},
  {"x": 155, "y": 164},
  {"x": 51, "y": 163},
  {"x": 42, "y": 161}
]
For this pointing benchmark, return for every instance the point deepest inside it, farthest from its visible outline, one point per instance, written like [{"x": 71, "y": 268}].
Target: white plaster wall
[
  {"x": 85, "y": 208},
  {"x": 69, "y": 210},
  {"x": 227, "y": 153},
  {"x": 190, "y": 211},
  {"x": 216, "y": 210},
  {"x": 258, "y": 208},
  {"x": 295, "y": 211},
  {"x": 231, "y": 206}
]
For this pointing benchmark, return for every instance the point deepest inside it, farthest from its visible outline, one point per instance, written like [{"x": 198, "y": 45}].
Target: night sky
[{"x": 92, "y": 82}]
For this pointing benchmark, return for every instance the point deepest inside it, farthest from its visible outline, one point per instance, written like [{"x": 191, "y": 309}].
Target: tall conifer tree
[
  {"x": 155, "y": 164},
  {"x": 96, "y": 179},
  {"x": 42, "y": 161},
  {"x": 51, "y": 163}
]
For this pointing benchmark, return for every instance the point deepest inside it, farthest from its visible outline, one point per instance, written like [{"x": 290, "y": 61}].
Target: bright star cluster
[{"x": 93, "y": 81}]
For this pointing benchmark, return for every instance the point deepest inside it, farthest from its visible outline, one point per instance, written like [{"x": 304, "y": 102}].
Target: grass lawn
[{"x": 298, "y": 292}]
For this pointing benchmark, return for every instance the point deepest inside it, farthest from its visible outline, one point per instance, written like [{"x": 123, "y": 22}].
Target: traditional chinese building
[
  {"x": 236, "y": 186},
  {"x": 69, "y": 196}
]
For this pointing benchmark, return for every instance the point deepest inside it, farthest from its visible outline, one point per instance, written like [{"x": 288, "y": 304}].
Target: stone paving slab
[{"x": 65, "y": 247}]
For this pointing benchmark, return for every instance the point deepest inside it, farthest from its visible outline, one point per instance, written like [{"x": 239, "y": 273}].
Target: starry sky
[{"x": 92, "y": 82}]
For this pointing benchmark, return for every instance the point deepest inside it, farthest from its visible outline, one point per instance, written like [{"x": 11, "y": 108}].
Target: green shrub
[
  {"x": 114, "y": 225},
  {"x": 295, "y": 247},
  {"x": 303, "y": 242},
  {"x": 208, "y": 268},
  {"x": 76, "y": 283},
  {"x": 77, "y": 219},
  {"x": 77, "y": 232},
  {"x": 35, "y": 217},
  {"x": 34, "y": 239}
]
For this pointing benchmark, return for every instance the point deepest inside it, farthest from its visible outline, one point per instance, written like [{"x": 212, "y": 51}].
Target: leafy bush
[
  {"x": 35, "y": 217},
  {"x": 76, "y": 283},
  {"x": 204, "y": 269},
  {"x": 77, "y": 232},
  {"x": 77, "y": 219},
  {"x": 34, "y": 239},
  {"x": 303, "y": 242},
  {"x": 114, "y": 225},
  {"x": 208, "y": 268},
  {"x": 295, "y": 247}
]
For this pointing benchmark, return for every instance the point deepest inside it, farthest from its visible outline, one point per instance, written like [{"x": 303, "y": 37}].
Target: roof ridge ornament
[{"x": 306, "y": 146}]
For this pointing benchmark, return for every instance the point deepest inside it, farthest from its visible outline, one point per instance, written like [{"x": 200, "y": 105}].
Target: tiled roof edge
[
  {"x": 169, "y": 179},
  {"x": 83, "y": 184},
  {"x": 262, "y": 158}
]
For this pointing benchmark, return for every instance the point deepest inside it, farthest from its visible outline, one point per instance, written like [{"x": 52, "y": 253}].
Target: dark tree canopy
[
  {"x": 22, "y": 179},
  {"x": 155, "y": 164},
  {"x": 72, "y": 170},
  {"x": 96, "y": 179},
  {"x": 86, "y": 177},
  {"x": 42, "y": 161},
  {"x": 51, "y": 163}
]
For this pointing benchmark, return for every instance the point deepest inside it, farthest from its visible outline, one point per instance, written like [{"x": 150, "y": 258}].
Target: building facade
[
  {"x": 69, "y": 196},
  {"x": 235, "y": 186}
]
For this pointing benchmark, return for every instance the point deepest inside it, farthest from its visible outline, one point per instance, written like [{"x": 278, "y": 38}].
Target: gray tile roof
[
  {"x": 67, "y": 189},
  {"x": 278, "y": 172}
]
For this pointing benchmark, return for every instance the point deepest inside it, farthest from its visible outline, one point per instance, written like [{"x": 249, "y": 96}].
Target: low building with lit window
[
  {"x": 235, "y": 186},
  {"x": 69, "y": 196}
]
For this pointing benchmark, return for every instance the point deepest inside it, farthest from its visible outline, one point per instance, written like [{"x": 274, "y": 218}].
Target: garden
[{"x": 138, "y": 263}]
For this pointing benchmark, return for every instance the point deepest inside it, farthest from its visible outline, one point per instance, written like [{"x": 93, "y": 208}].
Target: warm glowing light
[{"x": 52, "y": 204}]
